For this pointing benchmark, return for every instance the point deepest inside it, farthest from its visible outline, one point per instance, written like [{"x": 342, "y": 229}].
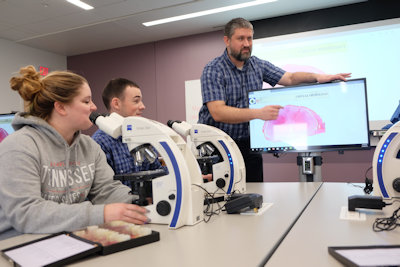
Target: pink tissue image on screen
[
  {"x": 293, "y": 122},
  {"x": 3, "y": 134}
]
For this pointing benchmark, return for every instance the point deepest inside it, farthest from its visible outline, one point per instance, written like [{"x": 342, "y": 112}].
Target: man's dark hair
[
  {"x": 234, "y": 24},
  {"x": 116, "y": 88}
]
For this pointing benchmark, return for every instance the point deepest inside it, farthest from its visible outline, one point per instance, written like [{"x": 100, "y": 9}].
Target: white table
[
  {"x": 320, "y": 227},
  {"x": 227, "y": 240}
]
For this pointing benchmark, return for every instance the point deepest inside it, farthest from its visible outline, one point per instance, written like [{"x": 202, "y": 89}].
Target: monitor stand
[{"x": 309, "y": 166}]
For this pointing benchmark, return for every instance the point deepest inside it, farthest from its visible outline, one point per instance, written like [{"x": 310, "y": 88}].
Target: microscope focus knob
[
  {"x": 171, "y": 197},
  {"x": 220, "y": 183},
  {"x": 396, "y": 184},
  {"x": 163, "y": 208}
]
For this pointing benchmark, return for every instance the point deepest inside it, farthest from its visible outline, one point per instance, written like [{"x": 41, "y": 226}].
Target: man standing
[{"x": 227, "y": 79}]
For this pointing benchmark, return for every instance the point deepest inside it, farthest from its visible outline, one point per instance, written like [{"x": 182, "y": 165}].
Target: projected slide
[{"x": 369, "y": 50}]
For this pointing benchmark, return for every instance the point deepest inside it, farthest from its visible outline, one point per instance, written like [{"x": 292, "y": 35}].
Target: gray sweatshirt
[{"x": 48, "y": 186}]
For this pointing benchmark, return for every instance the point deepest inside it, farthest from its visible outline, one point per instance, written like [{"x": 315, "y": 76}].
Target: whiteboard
[{"x": 193, "y": 100}]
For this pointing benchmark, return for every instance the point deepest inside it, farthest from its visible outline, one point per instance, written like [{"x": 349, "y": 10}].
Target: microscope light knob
[
  {"x": 163, "y": 208},
  {"x": 220, "y": 183},
  {"x": 171, "y": 197},
  {"x": 396, "y": 184}
]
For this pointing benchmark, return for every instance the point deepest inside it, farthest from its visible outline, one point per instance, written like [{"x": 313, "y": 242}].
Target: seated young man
[{"x": 123, "y": 97}]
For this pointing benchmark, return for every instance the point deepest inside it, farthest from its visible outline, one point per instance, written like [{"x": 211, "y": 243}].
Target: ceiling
[{"x": 62, "y": 28}]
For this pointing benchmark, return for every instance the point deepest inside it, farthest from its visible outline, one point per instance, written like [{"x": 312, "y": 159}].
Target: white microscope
[
  {"x": 386, "y": 164},
  {"x": 217, "y": 152},
  {"x": 177, "y": 198}
]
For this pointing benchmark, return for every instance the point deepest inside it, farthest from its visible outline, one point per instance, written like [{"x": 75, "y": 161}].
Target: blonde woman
[{"x": 52, "y": 177}]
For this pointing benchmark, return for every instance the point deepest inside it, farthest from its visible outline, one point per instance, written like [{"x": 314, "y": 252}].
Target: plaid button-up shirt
[{"x": 222, "y": 80}]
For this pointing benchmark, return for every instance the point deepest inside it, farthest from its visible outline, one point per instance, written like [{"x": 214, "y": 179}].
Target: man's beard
[{"x": 238, "y": 55}]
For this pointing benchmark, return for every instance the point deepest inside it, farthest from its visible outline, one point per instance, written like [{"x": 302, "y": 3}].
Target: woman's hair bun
[{"x": 28, "y": 83}]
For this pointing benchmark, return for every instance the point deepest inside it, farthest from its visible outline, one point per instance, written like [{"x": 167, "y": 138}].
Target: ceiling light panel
[
  {"x": 80, "y": 4},
  {"x": 207, "y": 12}
]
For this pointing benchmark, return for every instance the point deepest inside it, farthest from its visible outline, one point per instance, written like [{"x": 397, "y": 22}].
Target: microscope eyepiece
[
  {"x": 171, "y": 122},
  {"x": 94, "y": 115}
]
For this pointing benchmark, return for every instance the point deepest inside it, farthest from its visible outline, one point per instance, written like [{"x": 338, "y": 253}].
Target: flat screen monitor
[
  {"x": 314, "y": 118},
  {"x": 5, "y": 125}
]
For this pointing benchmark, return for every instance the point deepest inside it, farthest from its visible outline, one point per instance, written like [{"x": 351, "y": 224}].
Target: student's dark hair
[
  {"x": 234, "y": 24},
  {"x": 116, "y": 88},
  {"x": 40, "y": 93}
]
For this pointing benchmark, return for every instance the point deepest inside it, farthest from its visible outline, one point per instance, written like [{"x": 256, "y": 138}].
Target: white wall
[{"x": 14, "y": 56}]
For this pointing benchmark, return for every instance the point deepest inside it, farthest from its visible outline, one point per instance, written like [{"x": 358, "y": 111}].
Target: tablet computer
[{"x": 380, "y": 255}]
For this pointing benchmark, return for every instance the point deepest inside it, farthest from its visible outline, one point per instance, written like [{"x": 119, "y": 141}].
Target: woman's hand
[{"x": 125, "y": 212}]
